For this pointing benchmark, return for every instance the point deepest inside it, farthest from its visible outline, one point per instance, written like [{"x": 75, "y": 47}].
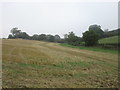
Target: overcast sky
[{"x": 58, "y": 18}]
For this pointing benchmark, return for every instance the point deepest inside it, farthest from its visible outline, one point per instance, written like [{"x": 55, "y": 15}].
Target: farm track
[{"x": 30, "y": 63}]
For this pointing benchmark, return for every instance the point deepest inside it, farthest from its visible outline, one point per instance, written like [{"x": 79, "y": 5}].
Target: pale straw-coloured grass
[{"x": 28, "y": 63}]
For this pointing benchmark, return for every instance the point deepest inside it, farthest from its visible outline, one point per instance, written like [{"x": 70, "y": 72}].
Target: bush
[{"x": 90, "y": 38}]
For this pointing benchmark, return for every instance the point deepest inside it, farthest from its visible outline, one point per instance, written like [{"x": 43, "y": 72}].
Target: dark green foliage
[
  {"x": 35, "y": 37},
  {"x": 97, "y": 29},
  {"x": 72, "y": 39},
  {"x": 65, "y": 38},
  {"x": 24, "y": 35},
  {"x": 15, "y": 32},
  {"x": 18, "y": 34},
  {"x": 112, "y": 33},
  {"x": 10, "y": 36},
  {"x": 90, "y": 38},
  {"x": 42, "y": 37},
  {"x": 50, "y": 38},
  {"x": 57, "y": 38}
]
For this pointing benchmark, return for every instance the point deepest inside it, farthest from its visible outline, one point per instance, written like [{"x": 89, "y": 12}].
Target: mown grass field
[
  {"x": 110, "y": 40},
  {"x": 37, "y": 64},
  {"x": 94, "y": 48}
]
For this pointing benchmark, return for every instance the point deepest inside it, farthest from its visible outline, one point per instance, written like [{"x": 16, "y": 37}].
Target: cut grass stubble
[{"x": 39, "y": 64}]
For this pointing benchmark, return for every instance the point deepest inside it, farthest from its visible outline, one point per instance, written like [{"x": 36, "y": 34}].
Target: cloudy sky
[{"x": 57, "y": 17}]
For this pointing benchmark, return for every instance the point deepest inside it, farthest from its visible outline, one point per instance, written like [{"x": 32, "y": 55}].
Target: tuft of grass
[
  {"x": 78, "y": 75},
  {"x": 31, "y": 65},
  {"x": 97, "y": 49},
  {"x": 80, "y": 63},
  {"x": 61, "y": 65}
]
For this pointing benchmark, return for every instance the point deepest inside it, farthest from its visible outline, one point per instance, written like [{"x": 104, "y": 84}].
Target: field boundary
[{"x": 96, "y": 49}]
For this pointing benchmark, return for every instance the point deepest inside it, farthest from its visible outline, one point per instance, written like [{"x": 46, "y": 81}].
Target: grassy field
[
  {"x": 98, "y": 49},
  {"x": 110, "y": 40},
  {"x": 36, "y": 64}
]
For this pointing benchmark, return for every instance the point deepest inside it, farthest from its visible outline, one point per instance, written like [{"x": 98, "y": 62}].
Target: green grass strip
[{"x": 98, "y": 49}]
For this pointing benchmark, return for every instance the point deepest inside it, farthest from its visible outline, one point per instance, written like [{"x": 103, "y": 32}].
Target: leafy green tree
[
  {"x": 24, "y": 35},
  {"x": 15, "y": 32},
  {"x": 111, "y": 33},
  {"x": 65, "y": 38},
  {"x": 50, "y": 38},
  {"x": 97, "y": 29},
  {"x": 42, "y": 37},
  {"x": 10, "y": 36},
  {"x": 90, "y": 38},
  {"x": 35, "y": 37},
  {"x": 73, "y": 39},
  {"x": 57, "y": 38}
]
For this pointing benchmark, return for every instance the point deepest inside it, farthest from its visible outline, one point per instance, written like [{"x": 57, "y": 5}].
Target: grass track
[{"x": 28, "y": 63}]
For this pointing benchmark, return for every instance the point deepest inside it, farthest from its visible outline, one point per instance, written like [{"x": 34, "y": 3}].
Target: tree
[
  {"x": 15, "y": 32},
  {"x": 97, "y": 29},
  {"x": 10, "y": 36},
  {"x": 106, "y": 30},
  {"x": 65, "y": 38},
  {"x": 73, "y": 39},
  {"x": 24, "y": 35},
  {"x": 57, "y": 38},
  {"x": 90, "y": 38},
  {"x": 35, "y": 37},
  {"x": 50, "y": 38},
  {"x": 42, "y": 37},
  {"x": 111, "y": 33}
]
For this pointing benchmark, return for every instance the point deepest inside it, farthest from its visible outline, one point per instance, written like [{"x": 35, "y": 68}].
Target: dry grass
[{"x": 28, "y": 63}]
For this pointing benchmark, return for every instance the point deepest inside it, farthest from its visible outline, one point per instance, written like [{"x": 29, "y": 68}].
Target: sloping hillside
[
  {"x": 110, "y": 40},
  {"x": 35, "y": 64}
]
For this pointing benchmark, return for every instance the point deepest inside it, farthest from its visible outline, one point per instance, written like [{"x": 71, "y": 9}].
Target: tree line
[
  {"x": 90, "y": 37},
  {"x": 112, "y": 33},
  {"x": 15, "y": 33}
]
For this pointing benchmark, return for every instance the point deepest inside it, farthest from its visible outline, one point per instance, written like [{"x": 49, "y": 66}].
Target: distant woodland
[{"x": 89, "y": 38}]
